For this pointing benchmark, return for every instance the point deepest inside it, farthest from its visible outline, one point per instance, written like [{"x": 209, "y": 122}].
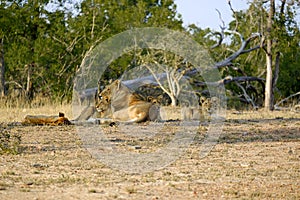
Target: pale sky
[{"x": 203, "y": 12}]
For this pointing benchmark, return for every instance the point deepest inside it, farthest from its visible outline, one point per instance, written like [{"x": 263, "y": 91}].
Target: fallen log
[
  {"x": 46, "y": 120},
  {"x": 132, "y": 84}
]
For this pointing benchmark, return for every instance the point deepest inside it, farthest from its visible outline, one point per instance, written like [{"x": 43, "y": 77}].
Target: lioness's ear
[
  {"x": 202, "y": 99},
  {"x": 118, "y": 83}
]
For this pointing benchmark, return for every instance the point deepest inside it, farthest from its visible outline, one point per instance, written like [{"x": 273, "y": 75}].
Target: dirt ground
[{"x": 257, "y": 157}]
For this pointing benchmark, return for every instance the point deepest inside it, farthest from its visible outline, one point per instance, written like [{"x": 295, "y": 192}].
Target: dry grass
[
  {"x": 261, "y": 114},
  {"x": 257, "y": 157},
  {"x": 16, "y": 114}
]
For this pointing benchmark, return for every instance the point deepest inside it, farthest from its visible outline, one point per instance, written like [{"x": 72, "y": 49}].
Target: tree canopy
[{"x": 42, "y": 43}]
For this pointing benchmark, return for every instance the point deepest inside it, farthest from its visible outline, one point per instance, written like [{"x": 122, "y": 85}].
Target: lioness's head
[
  {"x": 103, "y": 99},
  {"x": 119, "y": 102}
]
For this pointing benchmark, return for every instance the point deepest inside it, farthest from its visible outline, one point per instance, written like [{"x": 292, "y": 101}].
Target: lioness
[
  {"x": 46, "y": 120},
  {"x": 118, "y": 102}
]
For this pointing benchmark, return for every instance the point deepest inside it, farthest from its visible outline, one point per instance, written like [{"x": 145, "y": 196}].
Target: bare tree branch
[
  {"x": 276, "y": 106},
  {"x": 158, "y": 80},
  {"x": 220, "y": 39},
  {"x": 230, "y": 79},
  {"x": 241, "y": 50},
  {"x": 219, "y": 34},
  {"x": 245, "y": 94},
  {"x": 235, "y": 15}
]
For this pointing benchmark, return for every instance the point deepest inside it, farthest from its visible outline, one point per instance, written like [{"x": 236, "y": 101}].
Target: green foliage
[
  {"x": 285, "y": 37},
  {"x": 55, "y": 40}
]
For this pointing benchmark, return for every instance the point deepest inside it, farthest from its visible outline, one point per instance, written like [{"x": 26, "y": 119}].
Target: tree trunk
[
  {"x": 29, "y": 92},
  {"x": 2, "y": 70},
  {"x": 269, "y": 77},
  {"x": 28, "y": 78},
  {"x": 173, "y": 100},
  {"x": 269, "y": 90},
  {"x": 276, "y": 75}
]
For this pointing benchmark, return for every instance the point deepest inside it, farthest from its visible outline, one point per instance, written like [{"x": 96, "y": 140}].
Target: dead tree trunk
[
  {"x": 269, "y": 76},
  {"x": 275, "y": 76},
  {"x": 2, "y": 69},
  {"x": 29, "y": 89}
]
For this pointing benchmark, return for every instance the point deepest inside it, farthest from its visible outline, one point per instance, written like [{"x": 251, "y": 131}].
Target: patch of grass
[
  {"x": 167, "y": 173},
  {"x": 131, "y": 190},
  {"x": 25, "y": 190},
  {"x": 256, "y": 194},
  {"x": 16, "y": 114},
  {"x": 232, "y": 192},
  {"x": 9, "y": 142},
  {"x": 65, "y": 178},
  {"x": 3, "y": 186},
  {"x": 92, "y": 191},
  {"x": 8, "y": 173},
  {"x": 113, "y": 196}
]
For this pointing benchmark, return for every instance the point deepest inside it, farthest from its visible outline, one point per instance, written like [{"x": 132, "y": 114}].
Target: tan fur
[
  {"x": 118, "y": 102},
  {"x": 208, "y": 106},
  {"x": 46, "y": 120}
]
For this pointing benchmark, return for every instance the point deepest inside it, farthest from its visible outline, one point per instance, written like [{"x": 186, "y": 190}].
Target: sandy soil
[{"x": 257, "y": 157}]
